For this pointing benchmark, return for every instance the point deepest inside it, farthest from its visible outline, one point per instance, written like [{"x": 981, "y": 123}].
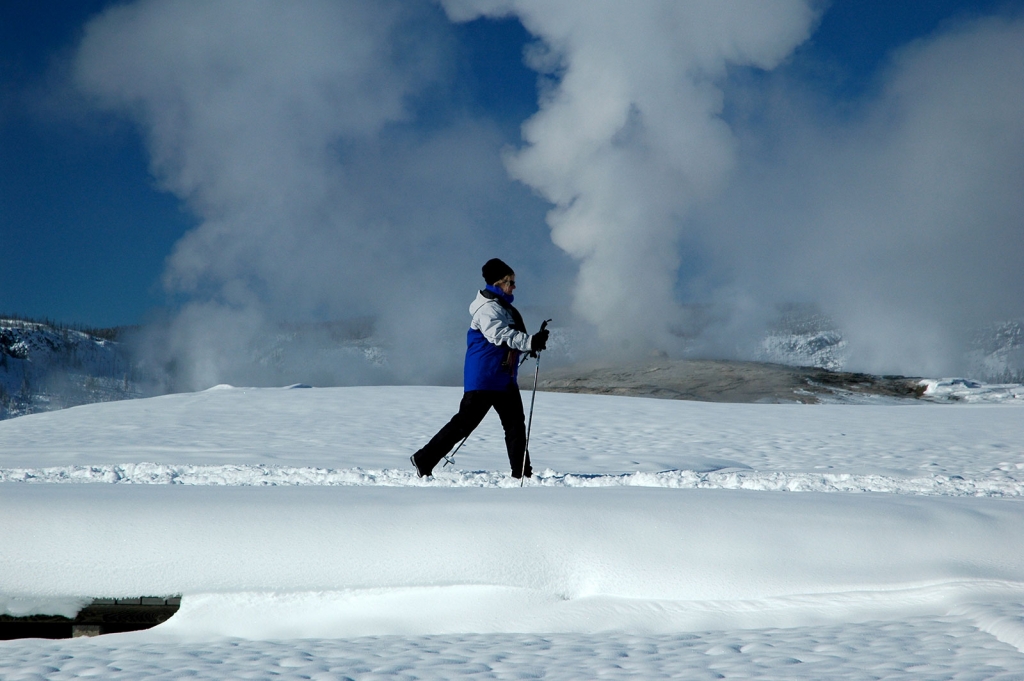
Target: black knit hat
[{"x": 495, "y": 270}]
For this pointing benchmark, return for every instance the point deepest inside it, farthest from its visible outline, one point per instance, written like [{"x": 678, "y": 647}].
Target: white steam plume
[
  {"x": 666, "y": 129},
  {"x": 903, "y": 218},
  {"x": 286, "y": 128},
  {"x": 630, "y": 139}
]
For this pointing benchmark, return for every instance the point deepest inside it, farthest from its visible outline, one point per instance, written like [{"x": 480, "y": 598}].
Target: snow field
[
  {"x": 376, "y": 428},
  {"x": 659, "y": 541},
  {"x": 913, "y": 649}
]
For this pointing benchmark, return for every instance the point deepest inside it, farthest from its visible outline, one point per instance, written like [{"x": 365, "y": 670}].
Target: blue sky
[{"x": 87, "y": 229}]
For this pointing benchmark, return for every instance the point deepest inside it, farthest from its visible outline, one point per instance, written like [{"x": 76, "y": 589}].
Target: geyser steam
[
  {"x": 630, "y": 139},
  {"x": 287, "y": 129},
  {"x": 667, "y": 132}
]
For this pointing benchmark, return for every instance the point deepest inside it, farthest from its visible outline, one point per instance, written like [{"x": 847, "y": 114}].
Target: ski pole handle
[{"x": 536, "y": 353}]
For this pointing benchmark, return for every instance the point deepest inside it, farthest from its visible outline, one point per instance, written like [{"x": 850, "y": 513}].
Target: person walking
[{"x": 497, "y": 337}]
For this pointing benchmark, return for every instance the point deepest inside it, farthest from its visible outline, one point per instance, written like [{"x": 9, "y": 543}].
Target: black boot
[
  {"x": 528, "y": 471},
  {"x": 420, "y": 472}
]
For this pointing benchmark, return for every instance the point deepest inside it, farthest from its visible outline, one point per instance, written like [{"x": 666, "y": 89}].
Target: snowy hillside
[
  {"x": 659, "y": 538},
  {"x": 997, "y": 353},
  {"x": 43, "y": 367},
  {"x": 803, "y": 336}
]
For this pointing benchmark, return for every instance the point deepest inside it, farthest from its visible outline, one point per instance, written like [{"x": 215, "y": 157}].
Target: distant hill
[{"x": 46, "y": 366}]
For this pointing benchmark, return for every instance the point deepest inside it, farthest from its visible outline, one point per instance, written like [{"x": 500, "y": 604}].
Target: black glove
[{"x": 539, "y": 340}]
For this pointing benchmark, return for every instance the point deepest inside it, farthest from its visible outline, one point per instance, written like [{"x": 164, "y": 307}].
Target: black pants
[{"x": 472, "y": 409}]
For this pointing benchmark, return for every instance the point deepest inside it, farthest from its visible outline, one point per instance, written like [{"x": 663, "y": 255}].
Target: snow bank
[{"x": 536, "y": 559}]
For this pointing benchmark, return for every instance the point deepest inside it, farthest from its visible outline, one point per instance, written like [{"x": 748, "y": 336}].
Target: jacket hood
[{"x": 478, "y": 302}]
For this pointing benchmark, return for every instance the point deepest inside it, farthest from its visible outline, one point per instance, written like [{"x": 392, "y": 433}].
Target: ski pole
[
  {"x": 529, "y": 424},
  {"x": 450, "y": 458}
]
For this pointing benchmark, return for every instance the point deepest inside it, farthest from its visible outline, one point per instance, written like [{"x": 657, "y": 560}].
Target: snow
[
  {"x": 658, "y": 538},
  {"x": 965, "y": 390},
  {"x": 376, "y": 428},
  {"x": 915, "y": 648}
]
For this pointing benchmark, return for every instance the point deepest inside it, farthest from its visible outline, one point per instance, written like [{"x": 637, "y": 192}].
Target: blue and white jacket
[{"x": 496, "y": 338}]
